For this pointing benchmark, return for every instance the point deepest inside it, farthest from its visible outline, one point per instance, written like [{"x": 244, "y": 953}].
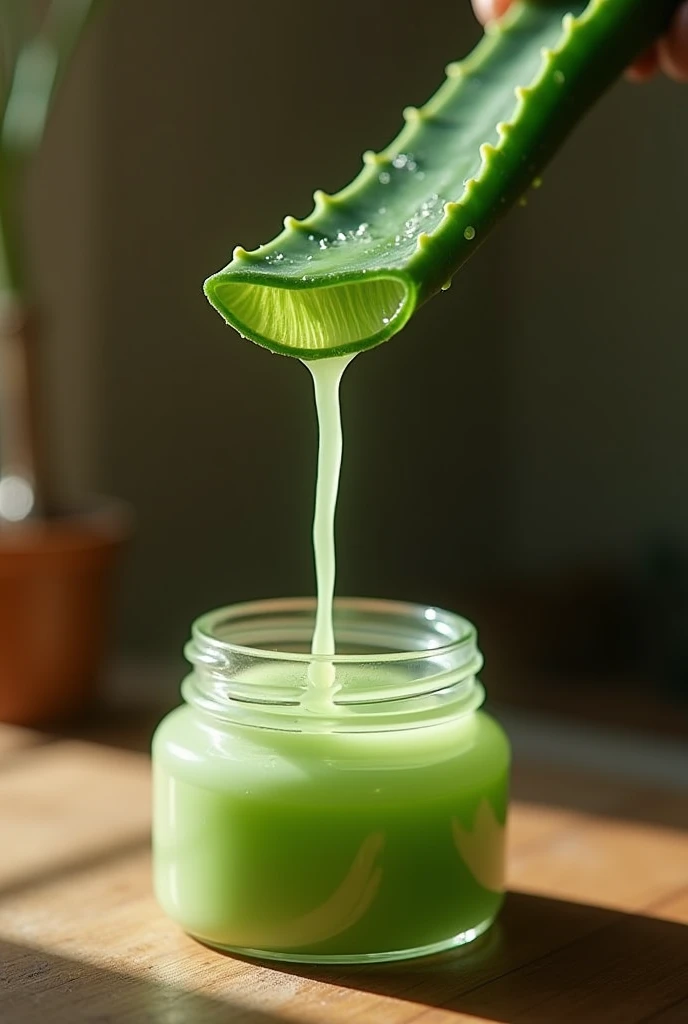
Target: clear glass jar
[{"x": 361, "y": 823}]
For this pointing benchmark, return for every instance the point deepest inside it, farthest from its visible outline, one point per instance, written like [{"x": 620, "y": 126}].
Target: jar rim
[{"x": 455, "y": 629}]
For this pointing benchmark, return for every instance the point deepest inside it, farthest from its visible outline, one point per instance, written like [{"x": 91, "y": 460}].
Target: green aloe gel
[{"x": 330, "y": 846}]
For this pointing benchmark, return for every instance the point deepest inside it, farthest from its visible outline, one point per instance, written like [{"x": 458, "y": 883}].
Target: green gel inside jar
[{"x": 369, "y": 829}]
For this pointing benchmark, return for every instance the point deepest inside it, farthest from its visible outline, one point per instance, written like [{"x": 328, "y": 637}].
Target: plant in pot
[{"x": 56, "y": 560}]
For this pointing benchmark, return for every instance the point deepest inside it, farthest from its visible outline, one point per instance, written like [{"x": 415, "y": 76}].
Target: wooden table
[{"x": 594, "y": 930}]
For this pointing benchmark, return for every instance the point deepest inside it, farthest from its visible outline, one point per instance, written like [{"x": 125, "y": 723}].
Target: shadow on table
[
  {"x": 35, "y": 986},
  {"x": 547, "y": 962}
]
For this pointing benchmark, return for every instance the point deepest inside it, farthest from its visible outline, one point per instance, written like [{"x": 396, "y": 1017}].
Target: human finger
[
  {"x": 487, "y": 10},
  {"x": 673, "y": 49},
  {"x": 645, "y": 66}
]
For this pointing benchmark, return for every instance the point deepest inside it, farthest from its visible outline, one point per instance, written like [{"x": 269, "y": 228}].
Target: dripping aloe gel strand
[{"x": 327, "y": 375}]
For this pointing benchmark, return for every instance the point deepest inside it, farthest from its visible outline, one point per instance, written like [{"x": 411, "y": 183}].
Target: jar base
[{"x": 455, "y": 942}]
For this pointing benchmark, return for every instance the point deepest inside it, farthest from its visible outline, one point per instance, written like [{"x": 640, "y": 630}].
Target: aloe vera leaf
[{"x": 352, "y": 273}]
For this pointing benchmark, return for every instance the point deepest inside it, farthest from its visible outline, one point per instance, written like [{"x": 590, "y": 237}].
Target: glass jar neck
[{"x": 398, "y": 666}]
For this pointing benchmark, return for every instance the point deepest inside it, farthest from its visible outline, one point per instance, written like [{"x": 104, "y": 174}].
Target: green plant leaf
[{"x": 351, "y": 274}]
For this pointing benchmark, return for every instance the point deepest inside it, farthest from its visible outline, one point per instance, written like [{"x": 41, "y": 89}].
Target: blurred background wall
[{"x": 530, "y": 422}]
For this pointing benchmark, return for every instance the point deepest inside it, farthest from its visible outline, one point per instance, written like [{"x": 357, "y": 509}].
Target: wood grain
[{"x": 594, "y": 930}]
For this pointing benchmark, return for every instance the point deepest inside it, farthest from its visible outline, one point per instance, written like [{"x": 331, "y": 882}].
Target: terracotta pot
[{"x": 55, "y": 596}]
